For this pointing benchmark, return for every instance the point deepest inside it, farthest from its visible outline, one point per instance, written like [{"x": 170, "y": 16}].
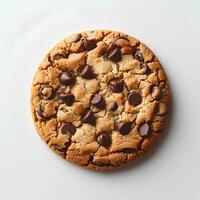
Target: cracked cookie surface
[{"x": 100, "y": 99}]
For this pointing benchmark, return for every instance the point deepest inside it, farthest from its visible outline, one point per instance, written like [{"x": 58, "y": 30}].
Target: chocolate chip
[
  {"x": 161, "y": 94},
  {"x": 67, "y": 78},
  {"x": 40, "y": 111},
  {"x": 89, "y": 44},
  {"x": 61, "y": 148},
  {"x": 89, "y": 118},
  {"x": 104, "y": 139},
  {"x": 98, "y": 101},
  {"x": 68, "y": 99},
  {"x": 113, "y": 106},
  {"x": 68, "y": 128},
  {"x": 154, "y": 88},
  {"x": 145, "y": 68},
  {"x": 121, "y": 39},
  {"x": 128, "y": 150},
  {"x": 161, "y": 109},
  {"x": 46, "y": 92},
  {"x": 144, "y": 129},
  {"x": 124, "y": 127},
  {"x": 87, "y": 72},
  {"x": 57, "y": 55},
  {"x": 114, "y": 54},
  {"x": 134, "y": 98},
  {"x": 117, "y": 85},
  {"x": 155, "y": 92},
  {"x": 139, "y": 56}
]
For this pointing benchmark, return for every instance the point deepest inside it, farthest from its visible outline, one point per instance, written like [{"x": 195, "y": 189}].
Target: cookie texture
[{"x": 100, "y": 99}]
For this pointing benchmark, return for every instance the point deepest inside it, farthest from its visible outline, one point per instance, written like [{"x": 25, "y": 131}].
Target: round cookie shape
[{"x": 100, "y": 99}]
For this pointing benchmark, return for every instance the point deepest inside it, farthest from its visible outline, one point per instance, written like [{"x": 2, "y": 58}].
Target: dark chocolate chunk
[
  {"x": 104, "y": 139},
  {"x": 134, "y": 98},
  {"x": 117, "y": 85},
  {"x": 124, "y": 127},
  {"x": 144, "y": 129},
  {"x": 67, "y": 78},
  {"x": 113, "y": 106},
  {"x": 40, "y": 111},
  {"x": 139, "y": 56},
  {"x": 89, "y": 118},
  {"x": 98, "y": 101},
  {"x": 114, "y": 54},
  {"x": 89, "y": 44},
  {"x": 87, "y": 72},
  {"x": 68, "y": 128},
  {"x": 68, "y": 99}
]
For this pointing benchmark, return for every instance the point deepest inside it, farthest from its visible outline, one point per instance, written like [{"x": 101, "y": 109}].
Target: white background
[{"x": 29, "y": 169}]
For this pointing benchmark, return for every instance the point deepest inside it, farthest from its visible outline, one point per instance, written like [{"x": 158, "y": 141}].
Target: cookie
[{"x": 100, "y": 99}]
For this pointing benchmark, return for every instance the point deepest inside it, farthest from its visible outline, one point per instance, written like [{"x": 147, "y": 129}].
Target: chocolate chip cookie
[{"x": 100, "y": 99}]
